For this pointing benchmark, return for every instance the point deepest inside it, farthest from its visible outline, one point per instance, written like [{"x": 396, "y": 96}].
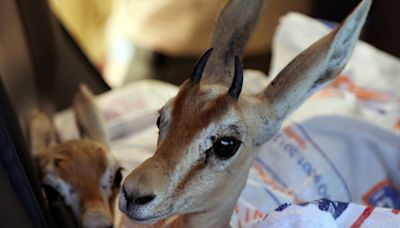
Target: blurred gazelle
[
  {"x": 82, "y": 171},
  {"x": 210, "y": 134}
]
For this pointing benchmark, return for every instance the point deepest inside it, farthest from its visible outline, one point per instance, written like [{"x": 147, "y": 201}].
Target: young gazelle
[
  {"x": 82, "y": 171},
  {"x": 209, "y": 134}
]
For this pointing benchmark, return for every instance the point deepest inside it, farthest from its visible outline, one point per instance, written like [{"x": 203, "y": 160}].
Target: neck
[{"x": 218, "y": 215}]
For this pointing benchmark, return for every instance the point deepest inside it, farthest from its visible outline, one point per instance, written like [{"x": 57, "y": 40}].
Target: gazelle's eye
[
  {"x": 51, "y": 193},
  {"x": 226, "y": 147},
  {"x": 158, "y": 122},
  {"x": 117, "y": 178}
]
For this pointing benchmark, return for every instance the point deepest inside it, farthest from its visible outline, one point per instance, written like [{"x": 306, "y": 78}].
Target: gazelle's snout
[
  {"x": 97, "y": 216},
  {"x": 136, "y": 198},
  {"x": 144, "y": 197},
  {"x": 138, "y": 193}
]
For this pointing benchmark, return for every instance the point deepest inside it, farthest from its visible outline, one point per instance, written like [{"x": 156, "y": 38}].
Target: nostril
[
  {"x": 133, "y": 200},
  {"x": 144, "y": 199},
  {"x": 124, "y": 192},
  {"x": 126, "y": 196}
]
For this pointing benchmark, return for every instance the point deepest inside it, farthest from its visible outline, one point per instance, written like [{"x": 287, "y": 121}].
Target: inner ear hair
[
  {"x": 88, "y": 117},
  {"x": 236, "y": 22},
  {"x": 317, "y": 65}
]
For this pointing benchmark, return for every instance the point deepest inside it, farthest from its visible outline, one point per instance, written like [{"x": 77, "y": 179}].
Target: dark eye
[
  {"x": 51, "y": 193},
  {"x": 158, "y": 122},
  {"x": 117, "y": 178},
  {"x": 226, "y": 147}
]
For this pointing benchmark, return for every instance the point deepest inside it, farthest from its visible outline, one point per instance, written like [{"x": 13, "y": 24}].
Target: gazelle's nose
[
  {"x": 96, "y": 216},
  {"x": 143, "y": 189},
  {"x": 135, "y": 198}
]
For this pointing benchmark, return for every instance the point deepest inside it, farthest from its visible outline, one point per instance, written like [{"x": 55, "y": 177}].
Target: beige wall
[
  {"x": 85, "y": 20},
  {"x": 183, "y": 27},
  {"x": 174, "y": 27}
]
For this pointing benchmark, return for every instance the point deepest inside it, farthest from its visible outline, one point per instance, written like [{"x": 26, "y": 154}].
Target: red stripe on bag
[
  {"x": 366, "y": 213},
  {"x": 247, "y": 218},
  {"x": 379, "y": 186},
  {"x": 395, "y": 211},
  {"x": 258, "y": 215}
]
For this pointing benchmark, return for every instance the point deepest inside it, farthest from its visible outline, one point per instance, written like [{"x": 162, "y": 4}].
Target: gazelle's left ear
[
  {"x": 88, "y": 117},
  {"x": 42, "y": 133},
  {"x": 317, "y": 65}
]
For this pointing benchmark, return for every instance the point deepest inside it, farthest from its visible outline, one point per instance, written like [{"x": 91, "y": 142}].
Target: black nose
[
  {"x": 144, "y": 199},
  {"x": 137, "y": 200}
]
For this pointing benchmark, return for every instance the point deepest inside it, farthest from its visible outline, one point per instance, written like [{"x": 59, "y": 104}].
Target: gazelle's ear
[
  {"x": 42, "y": 133},
  {"x": 234, "y": 26},
  {"x": 88, "y": 117},
  {"x": 317, "y": 65}
]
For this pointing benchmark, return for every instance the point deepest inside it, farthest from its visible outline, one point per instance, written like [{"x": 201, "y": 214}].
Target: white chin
[{"x": 149, "y": 219}]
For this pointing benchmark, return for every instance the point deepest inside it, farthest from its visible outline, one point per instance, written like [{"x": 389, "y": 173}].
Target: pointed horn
[
  {"x": 200, "y": 65},
  {"x": 236, "y": 87}
]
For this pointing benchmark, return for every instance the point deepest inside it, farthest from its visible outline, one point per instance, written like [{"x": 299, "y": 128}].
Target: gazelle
[
  {"x": 210, "y": 133},
  {"x": 82, "y": 171}
]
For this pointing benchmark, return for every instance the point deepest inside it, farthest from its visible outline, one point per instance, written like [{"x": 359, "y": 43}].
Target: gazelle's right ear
[
  {"x": 42, "y": 133},
  {"x": 88, "y": 117},
  {"x": 317, "y": 65},
  {"x": 234, "y": 26}
]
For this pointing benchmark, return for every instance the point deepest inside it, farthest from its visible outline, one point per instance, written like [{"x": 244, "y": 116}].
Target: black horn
[
  {"x": 236, "y": 87},
  {"x": 200, "y": 65}
]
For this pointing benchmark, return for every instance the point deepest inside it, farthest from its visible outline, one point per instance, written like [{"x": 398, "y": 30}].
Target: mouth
[{"x": 150, "y": 219}]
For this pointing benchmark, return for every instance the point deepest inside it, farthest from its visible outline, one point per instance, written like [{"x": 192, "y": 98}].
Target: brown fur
[
  {"x": 77, "y": 166},
  {"x": 193, "y": 111}
]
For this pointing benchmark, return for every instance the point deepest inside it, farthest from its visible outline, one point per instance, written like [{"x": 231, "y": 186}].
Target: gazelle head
[
  {"x": 210, "y": 133},
  {"x": 82, "y": 171}
]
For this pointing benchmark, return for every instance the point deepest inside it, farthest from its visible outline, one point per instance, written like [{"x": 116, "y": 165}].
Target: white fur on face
[
  {"x": 107, "y": 180},
  {"x": 70, "y": 196}
]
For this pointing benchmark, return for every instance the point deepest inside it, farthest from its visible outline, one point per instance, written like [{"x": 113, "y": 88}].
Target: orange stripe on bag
[
  {"x": 258, "y": 215},
  {"x": 364, "y": 216},
  {"x": 398, "y": 124},
  {"x": 344, "y": 82},
  {"x": 272, "y": 183},
  {"x": 295, "y": 137},
  {"x": 375, "y": 188},
  {"x": 247, "y": 218}
]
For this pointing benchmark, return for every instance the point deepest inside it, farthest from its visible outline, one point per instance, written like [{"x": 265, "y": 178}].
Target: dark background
[{"x": 382, "y": 28}]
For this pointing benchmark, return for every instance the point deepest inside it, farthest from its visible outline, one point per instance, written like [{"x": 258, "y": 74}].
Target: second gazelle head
[{"x": 83, "y": 172}]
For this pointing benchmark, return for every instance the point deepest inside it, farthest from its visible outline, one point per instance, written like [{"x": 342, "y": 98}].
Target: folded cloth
[{"x": 327, "y": 213}]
